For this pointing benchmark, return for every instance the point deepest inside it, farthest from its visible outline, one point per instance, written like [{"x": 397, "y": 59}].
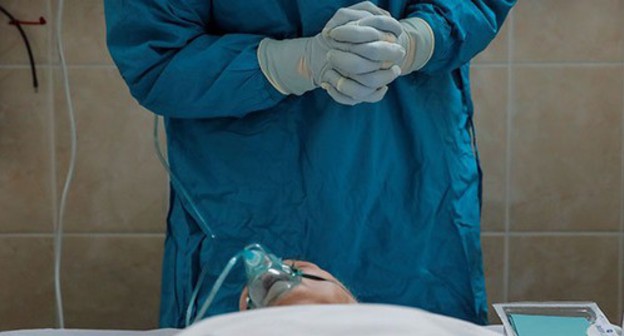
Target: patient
[{"x": 317, "y": 287}]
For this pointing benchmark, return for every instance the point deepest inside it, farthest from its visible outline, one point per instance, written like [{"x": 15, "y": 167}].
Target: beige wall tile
[
  {"x": 621, "y": 312},
  {"x": 565, "y": 268},
  {"x": 120, "y": 185},
  {"x": 489, "y": 88},
  {"x": 493, "y": 260},
  {"x": 25, "y": 159},
  {"x": 112, "y": 282},
  {"x": 566, "y": 148},
  {"x": 26, "y": 287},
  {"x": 498, "y": 50},
  {"x": 563, "y": 30},
  {"x": 12, "y": 47},
  {"x": 84, "y": 32}
]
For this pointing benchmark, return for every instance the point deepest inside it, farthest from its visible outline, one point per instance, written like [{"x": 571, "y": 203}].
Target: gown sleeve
[
  {"x": 462, "y": 28},
  {"x": 175, "y": 67}
]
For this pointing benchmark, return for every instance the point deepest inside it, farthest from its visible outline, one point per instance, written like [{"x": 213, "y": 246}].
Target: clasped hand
[{"x": 360, "y": 54}]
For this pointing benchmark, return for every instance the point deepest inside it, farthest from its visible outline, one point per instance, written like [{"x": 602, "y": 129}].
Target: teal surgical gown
[{"x": 384, "y": 196}]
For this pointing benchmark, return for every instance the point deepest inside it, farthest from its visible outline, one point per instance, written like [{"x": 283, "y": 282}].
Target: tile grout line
[
  {"x": 558, "y": 64},
  {"x": 19, "y": 67},
  {"x": 69, "y": 66},
  {"x": 621, "y": 241},
  {"x": 547, "y": 65},
  {"x": 509, "y": 108},
  {"x": 474, "y": 65},
  {"x": 554, "y": 234},
  {"x": 615, "y": 234},
  {"x": 84, "y": 235}
]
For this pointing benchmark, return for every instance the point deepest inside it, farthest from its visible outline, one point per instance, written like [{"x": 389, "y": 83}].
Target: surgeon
[{"x": 333, "y": 131}]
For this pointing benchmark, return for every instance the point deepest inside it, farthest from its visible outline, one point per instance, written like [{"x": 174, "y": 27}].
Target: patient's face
[{"x": 310, "y": 291}]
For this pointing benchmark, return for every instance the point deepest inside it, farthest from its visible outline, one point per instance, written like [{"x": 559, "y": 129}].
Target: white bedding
[
  {"x": 337, "y": 320},
  {"x": 76, "y": 332}
]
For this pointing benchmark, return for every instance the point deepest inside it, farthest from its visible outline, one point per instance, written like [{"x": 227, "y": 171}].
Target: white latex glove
[
  {"x": 416, "y": 38},
  {"x": 366, "y": 58},
  {"x": 299, "y": 65}
]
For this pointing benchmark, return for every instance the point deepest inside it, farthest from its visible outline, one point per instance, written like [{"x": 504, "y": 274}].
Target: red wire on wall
[{"x": 18, "y": 24}]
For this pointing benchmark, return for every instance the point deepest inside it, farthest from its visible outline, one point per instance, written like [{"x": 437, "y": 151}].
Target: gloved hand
[
  {"x": 299, "y": 65},
  {"x": 362, "y": 68},
  {"x": 416, "y": 37}
]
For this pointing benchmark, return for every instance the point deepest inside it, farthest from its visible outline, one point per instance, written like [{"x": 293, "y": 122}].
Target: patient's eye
[{"x": 313, "y": 277}]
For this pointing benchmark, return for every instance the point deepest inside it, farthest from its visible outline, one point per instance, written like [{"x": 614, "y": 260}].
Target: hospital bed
[
  {"x": 326, "y": 320},
  {"x": 329, "y": 320}
]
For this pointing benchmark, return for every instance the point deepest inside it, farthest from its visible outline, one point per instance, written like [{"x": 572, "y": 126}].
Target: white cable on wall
[{"x": 58, "y": 234}]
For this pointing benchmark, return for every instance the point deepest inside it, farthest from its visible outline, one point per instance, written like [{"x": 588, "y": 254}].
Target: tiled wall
[
  {"x": 549, "y": 94},
  {"x": 117, "y": 205}
]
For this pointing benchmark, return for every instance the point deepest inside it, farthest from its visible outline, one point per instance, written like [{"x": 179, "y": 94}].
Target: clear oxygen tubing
[
  {"x": 177, "y": 185},
  {"x": 267, "y": 279},
  {"x": 186, "y": 198},
  {"x": 257, "y": 259},
  {"x": 58, "y": 233},
  {"x": 215, "y": 288},
  {"x": 213, "y": 292},
  {"x": 189, "y": 308}
]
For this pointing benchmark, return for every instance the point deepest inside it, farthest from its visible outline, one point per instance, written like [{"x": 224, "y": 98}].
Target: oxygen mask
[{"x": 268, "y": 277}]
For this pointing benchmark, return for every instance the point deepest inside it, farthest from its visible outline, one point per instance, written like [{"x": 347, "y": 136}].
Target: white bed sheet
[
  {"x": 78, "y": 332},
  {"x": 336, "y": 320},
  {"x": 306, "y": 320}
]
